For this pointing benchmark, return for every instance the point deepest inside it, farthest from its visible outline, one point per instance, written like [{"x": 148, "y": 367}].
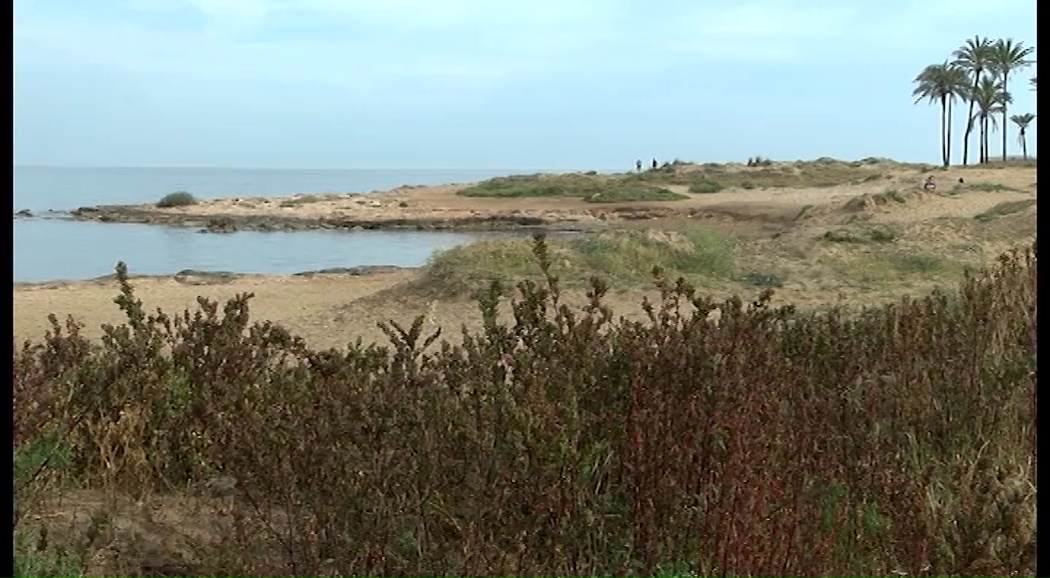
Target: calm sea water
[{"x": 50, "y": 249}]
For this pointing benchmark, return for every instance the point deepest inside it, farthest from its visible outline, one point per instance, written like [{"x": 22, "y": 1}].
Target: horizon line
[{"x": 242, "y": 168}]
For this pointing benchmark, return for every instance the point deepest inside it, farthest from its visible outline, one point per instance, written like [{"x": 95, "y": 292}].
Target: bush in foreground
[
  {"x": 897, "y": 440},
  {"x": 176, "y": 199}
]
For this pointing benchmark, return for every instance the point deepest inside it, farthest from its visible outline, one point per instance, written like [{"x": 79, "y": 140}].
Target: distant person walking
[
  {"x": 655, "y": 164},
  {"x": 638, "y": 165}
]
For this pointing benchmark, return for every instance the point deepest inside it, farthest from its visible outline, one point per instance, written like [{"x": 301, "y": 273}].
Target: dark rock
[
  {"x": 221, "y": 226},
  {"x": 193, "y": 277},
  {"x": 353, "y": 271}
]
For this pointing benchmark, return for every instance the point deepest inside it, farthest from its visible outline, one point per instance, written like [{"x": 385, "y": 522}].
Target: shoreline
[
  {"x": 419, "y": 208},
  {"x": 231, "y": 223},
  {"x": 198, "y": 277}
]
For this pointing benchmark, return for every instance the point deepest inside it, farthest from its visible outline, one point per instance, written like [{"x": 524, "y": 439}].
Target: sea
[{"x": 48, "y": 247}]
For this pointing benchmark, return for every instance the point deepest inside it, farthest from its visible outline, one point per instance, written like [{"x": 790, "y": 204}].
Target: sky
[{"x": 489, "y": 84}]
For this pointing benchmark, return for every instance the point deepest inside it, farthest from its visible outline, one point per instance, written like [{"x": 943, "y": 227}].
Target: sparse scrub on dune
[
  {"x": 895, "y": 195},
  {"x": 1012, "y": 162},
  {"x": 916, "y": 264},
  {"x": 887, "y": 197},
  {"x": 984, "y": 187},
  {"x": 705, "y": 186},
  {"x": 882, "y": 234},
  {"x": 819, "y": 173},
  {"x": 1004, "y": 209},
  {"x": 894, "y": 266},
  {"x": 590, "y": 188},
  {"x": 872, "y": 234},
  {"x": 843, "y": 236},
  {"x": 176, "y": 199},
  {"x": 764, "y": 279},
  {"x": 761, "y": 173},
  {"x": 626, "y": 256},
  {"x": 897, "y": 440}
]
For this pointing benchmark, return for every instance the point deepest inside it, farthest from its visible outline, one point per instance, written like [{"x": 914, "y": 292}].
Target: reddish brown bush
[{"x": 898, "y": 439}]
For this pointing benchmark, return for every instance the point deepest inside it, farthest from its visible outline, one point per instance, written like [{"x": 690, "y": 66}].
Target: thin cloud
[
  {"x": 472, "y": 47},
  {"x": 759, "y": 32}
]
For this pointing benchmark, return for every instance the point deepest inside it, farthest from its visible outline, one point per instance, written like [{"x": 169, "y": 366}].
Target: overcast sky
[{"x": 499, "y": 84}]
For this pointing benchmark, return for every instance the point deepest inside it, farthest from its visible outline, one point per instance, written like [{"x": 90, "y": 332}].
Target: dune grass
[
  {"x": 625, "y": 256},
  {"x": 704, "y": 186},
  {"x": 652, "y": 185},
  {"x": 984, "y": 187},
  {"x": 873, "y": 234},
  {"x": 1004, "y": 209},
  {"x": 712, "y": 177},
  {"x": 997, "y": 163},
  {"x": 590, "y": 188},
  {"x": 878, "y": 268}
]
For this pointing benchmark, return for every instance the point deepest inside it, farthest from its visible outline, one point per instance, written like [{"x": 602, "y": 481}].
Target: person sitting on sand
[{"x": 929, "y": 185}]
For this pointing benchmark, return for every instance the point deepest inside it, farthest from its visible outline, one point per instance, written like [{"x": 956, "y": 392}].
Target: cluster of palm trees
[{"x": 978, "y": 74}]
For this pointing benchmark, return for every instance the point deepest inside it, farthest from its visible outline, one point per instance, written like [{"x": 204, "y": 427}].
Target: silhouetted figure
[
  {"x": 638, "y": 165},
  {"x": 929, "y": 185},
  {"x": 655, "y": 164}
]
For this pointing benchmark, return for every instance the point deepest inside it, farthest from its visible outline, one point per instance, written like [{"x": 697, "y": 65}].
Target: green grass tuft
[
  {"x": 704, "y": 186},
  {"x": 625, "y": 256},
  {"x": 877, "y": 234},
  {"x": 1003, "y": 209},
  {"x": 985, "y": 187},
  {"x": 763, "y": 279},
  {"x": 590, "y": 188}
]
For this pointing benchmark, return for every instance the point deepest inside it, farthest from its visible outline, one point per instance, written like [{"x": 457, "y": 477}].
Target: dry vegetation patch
[{"x": 762, "y": 441}]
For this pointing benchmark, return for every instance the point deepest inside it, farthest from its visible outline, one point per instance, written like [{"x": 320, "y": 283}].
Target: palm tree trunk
[
  {"x": 944, "y": 124},
  {"x": 987, "y": 138},
  {"x": 948, "y": 138},
  {"x": 1024, "y": 146},
  {"x": 983, "y": 139},
  {"x": 980, "y": 141},
  {"x": 969, "y": 122},
  {"x": 1005, "y": 75}
]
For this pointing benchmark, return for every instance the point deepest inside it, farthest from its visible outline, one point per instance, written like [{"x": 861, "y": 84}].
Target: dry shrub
[{"x": 892, "y": 440}]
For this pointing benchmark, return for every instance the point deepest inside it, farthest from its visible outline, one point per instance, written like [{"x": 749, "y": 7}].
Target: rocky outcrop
[{"x": 232, "y": 223}]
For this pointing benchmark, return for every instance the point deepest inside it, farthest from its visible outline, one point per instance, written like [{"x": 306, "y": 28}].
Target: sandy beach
[{"x": 776, "y": 229}]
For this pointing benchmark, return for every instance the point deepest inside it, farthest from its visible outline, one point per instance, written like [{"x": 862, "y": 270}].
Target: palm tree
[
  {"x": 942, "y": 83},
  {"x": 990, "y": 99},
  {"x": 1022, "y": 121},
  {"x": 974, "y": 56},
  {"x": 1007, "y": 57}
]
